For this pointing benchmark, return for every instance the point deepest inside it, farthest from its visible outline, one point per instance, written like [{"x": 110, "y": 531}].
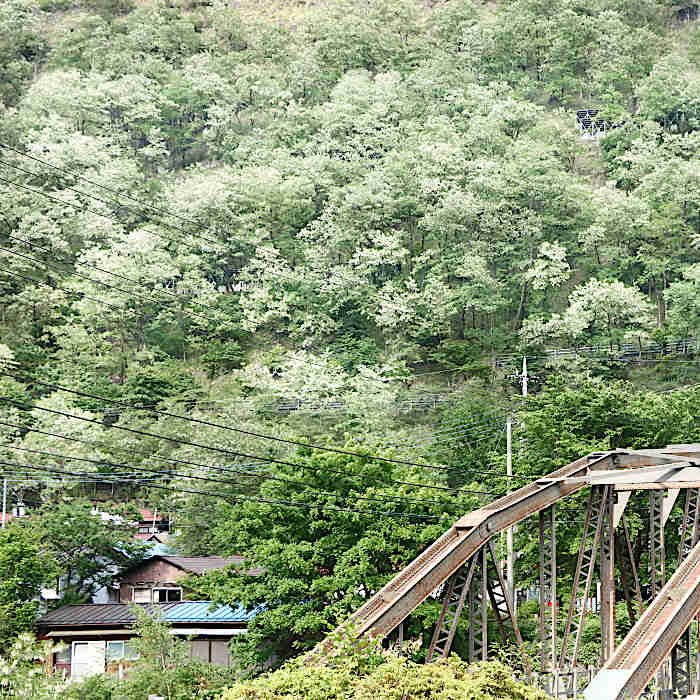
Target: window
[
  {"x": 121, "y": 651},
  {"x": 63, "y": 656},
  {"x": 167, "y": 595},
  {"x": 215, "y": 651},
  {"x": 115, "y": 651},
  {"x": 220, "y": 653},
  {"x": 200, "y": 649},
  {"x": 142, "y": 595}
]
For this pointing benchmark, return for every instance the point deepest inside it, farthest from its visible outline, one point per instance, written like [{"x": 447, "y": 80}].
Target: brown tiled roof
[{"x": 200, "y": 565}]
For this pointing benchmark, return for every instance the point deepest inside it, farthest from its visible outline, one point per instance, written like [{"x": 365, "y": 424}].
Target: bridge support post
[
  {"x": 657, "y": 561},
  {"x": 548, "y": 588},
  {"x": 478, "y": 611},
  {"x": 680, "y": 665},
  {"x": 607, "y": 577}
]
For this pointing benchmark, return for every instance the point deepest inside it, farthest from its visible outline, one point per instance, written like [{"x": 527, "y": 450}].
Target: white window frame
[
  {"x": 166, "y": 588},
  {"x": 128, "y": 651},
  {"x": 141, "y": 588}
]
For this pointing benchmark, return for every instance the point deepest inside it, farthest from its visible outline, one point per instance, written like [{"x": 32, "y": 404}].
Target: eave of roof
[{"x": 109, "y": 615}]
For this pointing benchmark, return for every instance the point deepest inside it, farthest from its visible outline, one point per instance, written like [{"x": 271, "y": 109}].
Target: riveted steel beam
[
  {"x": 607, "y": 578},
  {"x": 548, "y": 588},
  {"x": 397, "y": 599},
  {"x": 651, "y": 641},
  {"x": 583, "y": 577}
]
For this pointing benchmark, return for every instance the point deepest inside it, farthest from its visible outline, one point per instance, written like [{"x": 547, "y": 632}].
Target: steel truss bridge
[{"x": 654, "y": 659}]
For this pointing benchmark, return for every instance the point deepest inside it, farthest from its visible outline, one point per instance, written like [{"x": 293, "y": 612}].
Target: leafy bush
[
  {"x": 222, "y": 357},
  {"x": 396, "y": 679},
  {"x": 150, "y": 385},
  {"x": 23, "y": 672}
]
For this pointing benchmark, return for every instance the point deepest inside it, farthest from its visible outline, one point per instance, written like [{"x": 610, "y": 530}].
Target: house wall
[
  {"x": 212, "y": 649},
  {"x": 158, "y": 572}
]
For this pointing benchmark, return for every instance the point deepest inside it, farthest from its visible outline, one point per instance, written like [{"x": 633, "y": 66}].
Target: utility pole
[
  {"x": 4, "y": 501},
  {"x": 510, "y": 566},
  {"x": 510, "y": 552}
]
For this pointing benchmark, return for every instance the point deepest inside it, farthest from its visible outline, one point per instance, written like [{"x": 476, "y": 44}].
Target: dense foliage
[
  {"x": 319, "y": 223},
  {"x": 396, "y": 679},
  {"x": 67, "y": 548}
]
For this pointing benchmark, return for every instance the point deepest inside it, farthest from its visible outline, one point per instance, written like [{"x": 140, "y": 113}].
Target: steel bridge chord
[{"x": 464, "y": 564}]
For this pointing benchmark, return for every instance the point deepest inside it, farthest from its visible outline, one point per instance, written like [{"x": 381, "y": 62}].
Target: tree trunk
[
  {"x": 661, "y": 302},
  {"x": 523, "y": 300}
]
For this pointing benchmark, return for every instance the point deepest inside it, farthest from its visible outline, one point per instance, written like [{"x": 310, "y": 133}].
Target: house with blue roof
[{"x": 99, "y": 637}]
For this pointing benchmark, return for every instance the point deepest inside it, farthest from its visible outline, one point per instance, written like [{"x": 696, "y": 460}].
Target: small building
[
  {"x": 100, "y": 638},
  {"x": 159, "y": 578},
  {"x": 153, "y": 526}
]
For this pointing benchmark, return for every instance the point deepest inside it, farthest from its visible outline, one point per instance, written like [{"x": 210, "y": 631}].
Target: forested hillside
[{"x": 319, "y": 223}]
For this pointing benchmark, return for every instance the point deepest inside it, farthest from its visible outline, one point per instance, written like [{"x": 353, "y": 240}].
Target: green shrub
[
  {"x": 222, "y": 357},
  {"x": 396, "y": 679},
  {"x": 152, "y": 384}
]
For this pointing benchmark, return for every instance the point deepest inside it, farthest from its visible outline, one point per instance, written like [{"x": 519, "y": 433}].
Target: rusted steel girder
[
  {"x": 633, "y": 567},
  {"x": 680, "y": 665},
  {"x": 503, "y": 608},
  {"x": 651, "y": 640},
  {"x": 467, "y": 585},
  {"x": 657, "y": 546},
  {"x": 607, "y": 579},
  {"x": 454, "y": 597},
  {"x": 398, "y": 598},
  {"x": 691, "y": 520}
]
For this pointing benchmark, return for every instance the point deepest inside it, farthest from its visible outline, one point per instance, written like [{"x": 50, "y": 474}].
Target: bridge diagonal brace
[
  {"x": 633, "y": 567},
  {"x": 456, "y": 591},
  {"x": 502, "y": 607},
  {"x": 583, "y": 577}
]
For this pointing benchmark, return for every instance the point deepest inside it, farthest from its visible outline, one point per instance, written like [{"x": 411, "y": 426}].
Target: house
[
  {"x": 158, "y": 579},
  {"x": 100, "y": 638},
  {"x": 153, "y": 526}
]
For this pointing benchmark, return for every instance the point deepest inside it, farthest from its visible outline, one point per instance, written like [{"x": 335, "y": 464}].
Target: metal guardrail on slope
[{"x": 628, "y": 352}]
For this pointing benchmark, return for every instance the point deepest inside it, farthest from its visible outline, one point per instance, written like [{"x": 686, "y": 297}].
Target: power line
[
  {"x": 239, "y": 497},
  {"x": 210, "y": 424},
  {"x": 218, "y": 469},
  {"x": 105, "y": 446},
  {"x": 97, "y": 199},
  {"x": 179, "y": 297},
  {"x": 237, "y": 454},
  {"x": 80, "y": 295},
  {"x": 128, "y": 292},
  {"x": 24, "y": 154}
]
